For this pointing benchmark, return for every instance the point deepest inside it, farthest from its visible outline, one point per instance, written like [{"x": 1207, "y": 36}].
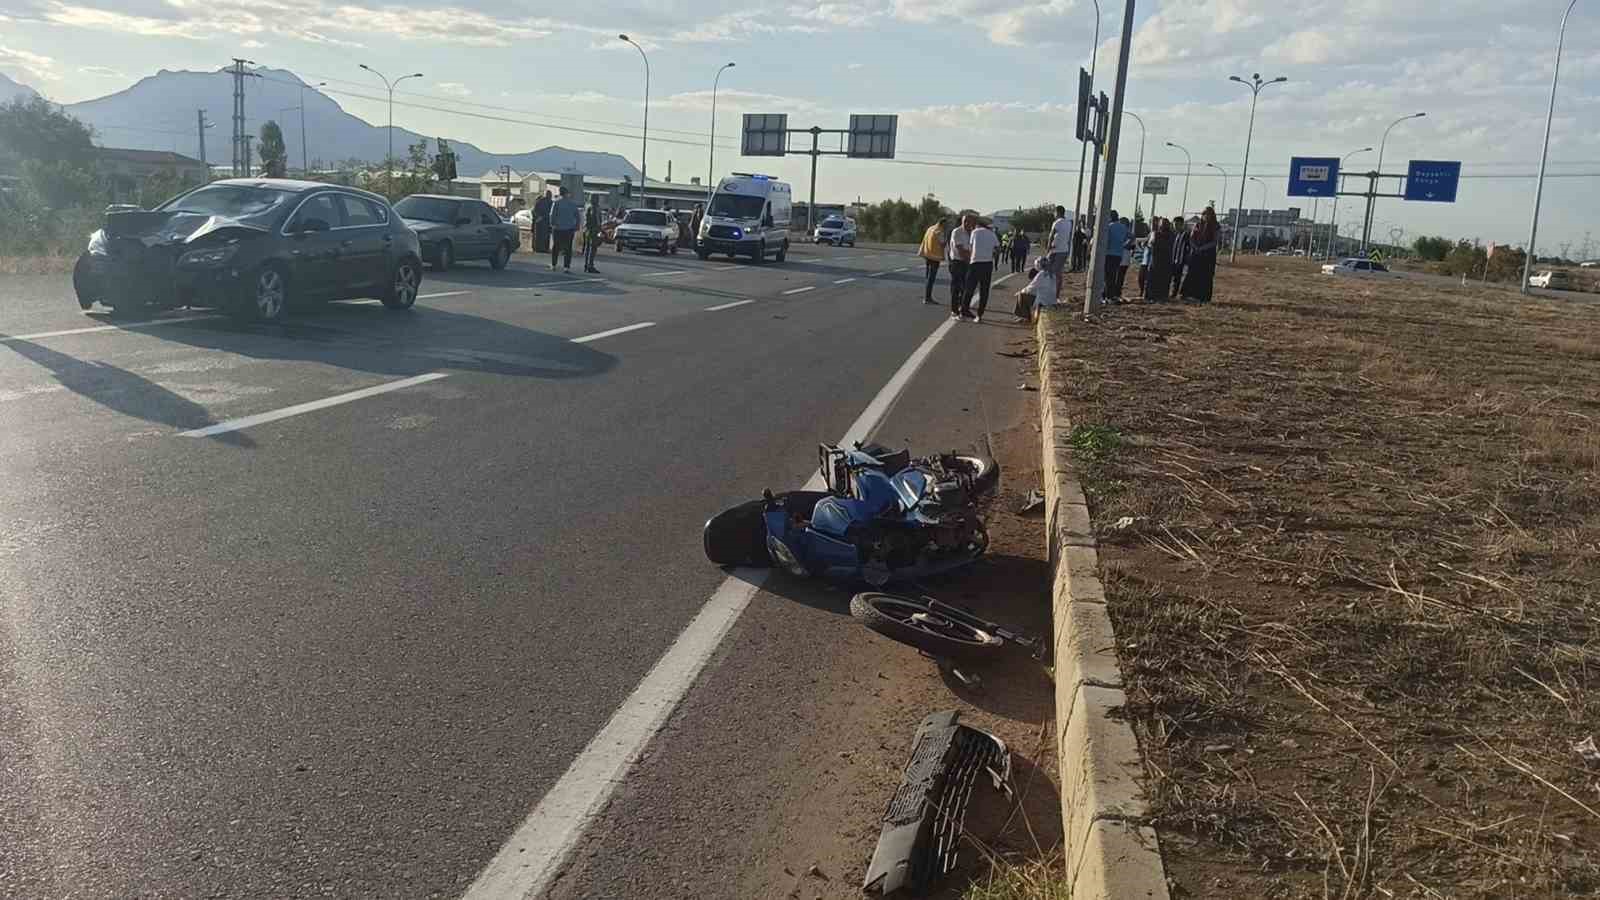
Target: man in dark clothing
[
  {"x": 1019, "y": 250},
  {"x": 541, "y": 223},
  {"x": 591, "y": 234},
  {"x": 1180, "y": 255},
  {"x": 564, "y": 216},
  {"x": 1080, "y": 249}
]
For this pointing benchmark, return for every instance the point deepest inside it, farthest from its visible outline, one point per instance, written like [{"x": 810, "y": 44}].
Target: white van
[{"x": 748, "y": 216}]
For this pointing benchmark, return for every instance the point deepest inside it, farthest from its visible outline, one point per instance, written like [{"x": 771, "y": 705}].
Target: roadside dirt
[{"x": 1351, "y": 533}]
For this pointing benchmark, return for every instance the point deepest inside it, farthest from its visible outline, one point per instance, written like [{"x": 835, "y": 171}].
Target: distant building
[{"x": 125, "y": 169}]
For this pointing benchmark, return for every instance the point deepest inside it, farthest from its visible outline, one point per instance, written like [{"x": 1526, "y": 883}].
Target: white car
[
  {"x": 1354, "y": 266},
  {"x": 522, "y": 218},
  {"x": 648, "y": 229},
  {"x": 836, "y": 231},
  {"x": 1548, "y": 280}
]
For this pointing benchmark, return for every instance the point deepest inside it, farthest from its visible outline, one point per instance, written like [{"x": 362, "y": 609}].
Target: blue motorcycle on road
[{"x": 884, "y": 517}]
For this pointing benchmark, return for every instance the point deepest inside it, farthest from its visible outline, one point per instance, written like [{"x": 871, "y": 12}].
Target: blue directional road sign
[
  {"x": 1432, "y": 180},
  {"x": 1313, "y": 176}
]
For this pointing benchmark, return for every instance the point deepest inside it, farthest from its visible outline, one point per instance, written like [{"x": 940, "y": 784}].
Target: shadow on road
[
  {"x": 122, "y": 391},
  {"x": 369, "y": 338}
]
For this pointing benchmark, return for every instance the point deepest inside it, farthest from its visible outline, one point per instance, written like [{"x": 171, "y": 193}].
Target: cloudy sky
[{"x": 984, "y": 90}]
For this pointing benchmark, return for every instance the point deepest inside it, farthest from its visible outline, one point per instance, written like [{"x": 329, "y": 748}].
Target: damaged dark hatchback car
[{"x": 251, "y": 247}]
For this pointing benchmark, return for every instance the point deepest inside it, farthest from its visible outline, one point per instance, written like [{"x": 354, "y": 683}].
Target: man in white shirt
[
  {"x": 980, "y": 270},
  {"x": 1060, "y": 245},
  {"x": 959, "y": 250}
]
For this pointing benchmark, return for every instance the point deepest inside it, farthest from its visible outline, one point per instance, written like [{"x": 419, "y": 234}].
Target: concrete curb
[{"x": 1109, "y": 854}]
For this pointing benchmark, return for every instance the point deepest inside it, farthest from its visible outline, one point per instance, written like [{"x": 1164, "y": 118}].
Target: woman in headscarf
[
  {"x": 1159, "y": 281},
  {"x": 1202, "y": 268}
]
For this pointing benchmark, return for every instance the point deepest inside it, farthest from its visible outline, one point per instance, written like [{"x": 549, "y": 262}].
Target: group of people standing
[{"x": 1176, "y": 260}]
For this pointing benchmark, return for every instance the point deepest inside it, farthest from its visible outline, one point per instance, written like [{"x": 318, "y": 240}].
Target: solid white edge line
[
  {"x": 605, "y": 334},
  {"x": 527, "y": 863},
  {"x": 442, "y": 294},
  {"x": 801, "y": 290},
  {"x": 314, "y": 405},
  {"x": 92, "y": 329},
  {"x": 725, "y": 268},
  {"x": 665, "y": 274},
  {"x": 728, "y": 305},
  {"x": 1004, "y": 278},
  {"x": 844, "y": 281}
]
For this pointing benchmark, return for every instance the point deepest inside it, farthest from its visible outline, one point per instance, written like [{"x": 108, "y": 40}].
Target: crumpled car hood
[{"x": 154, "y": 228}]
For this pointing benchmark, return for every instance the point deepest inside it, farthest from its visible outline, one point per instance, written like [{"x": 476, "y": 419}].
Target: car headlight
[
  {"x": 211, "y": 256},
  {"x": 97, "y": 243}
]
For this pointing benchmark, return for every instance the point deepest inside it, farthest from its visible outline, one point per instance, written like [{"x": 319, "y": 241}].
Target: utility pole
[
  {"x": 1097, "y": 272},
  {"x": 200, "y": 117},
  {"x": 241, "y": 167},
  {"x": 248, "y": 164}
]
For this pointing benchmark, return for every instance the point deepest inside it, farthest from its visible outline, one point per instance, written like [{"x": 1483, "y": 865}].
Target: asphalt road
[{"x": 326, "y": 608}]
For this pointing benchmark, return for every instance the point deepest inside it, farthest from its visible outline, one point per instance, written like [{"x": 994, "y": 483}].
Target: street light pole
[
  {"x": 1188, "y": 164},
  {"x": 1255, "y": 84},
  {"x": 644, "y": 147},
  {"x": 711, "y": 164},
  {"x": 1224, "y": 179},
  {"x": 1083, "y": 146},
  {"x": 1372, "y": 202},
  {"x": 388, "y": 163},
  {"x": 1544, "y": 155},
  {"x": 1138, "y": 184},
  {"x": 1334, "y": 222}
]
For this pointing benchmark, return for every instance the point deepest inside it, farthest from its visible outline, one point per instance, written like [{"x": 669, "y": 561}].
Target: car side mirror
[{"x": 766, "y": 222}]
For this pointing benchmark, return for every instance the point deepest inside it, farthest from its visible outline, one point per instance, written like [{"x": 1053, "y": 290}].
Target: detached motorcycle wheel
[
  {"x": 909, "y": 621},
  {"x": 985, "y": 473}
]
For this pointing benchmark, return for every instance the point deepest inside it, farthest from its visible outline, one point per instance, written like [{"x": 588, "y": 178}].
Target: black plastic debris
[{"x": 922, "y": 826}]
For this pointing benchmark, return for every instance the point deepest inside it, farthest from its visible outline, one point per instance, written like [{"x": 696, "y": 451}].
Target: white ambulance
[{"x": 748, "y": 216}]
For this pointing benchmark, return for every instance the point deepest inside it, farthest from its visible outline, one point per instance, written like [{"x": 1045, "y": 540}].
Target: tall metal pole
[
  {"x": 811, "y": 206},
  {"x": 388, "y": 162},
  {"x": 1263, "y": 223},
  {"x": 1334, "y": 222},
  {"x": 1255, "y": 84},
  {"x": 711, "y": 163},
  {"x": 1544, "y": 154},
  {"x": 644, "y": 147},
  {"x": 200, "y": 115},
  {"x": 1139, "y": 182},
  {"x": 1224, "y": 180},
  {"x": 1372, "y": 200},
  {"x": 1188, "y": 165},
  {"x": 305, "y": 156},
  {"x": 1083, "y": 146},
  {"x": 1096, "y": 280}
]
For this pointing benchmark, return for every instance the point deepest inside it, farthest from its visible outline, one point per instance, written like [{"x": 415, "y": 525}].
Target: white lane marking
[
  {"x": 728, "y": 305},
  {"x": 313, "y": 406},
  {"x": 725, "y": 268},
  {"x": 844, "y": 281},
  {"x": 554, "y": 284},
  {"x": 906, "y": 269},
  {"x": 1004, "y": 278},
  {"x": 442, "y": 294},
  {"x": 527, "y": 863},
  {"x": 665, "y": 274},
  {"x": 605, "y": 334},
  {"x": 801, "y": 290},
  {"x": 131, "y": 326}
]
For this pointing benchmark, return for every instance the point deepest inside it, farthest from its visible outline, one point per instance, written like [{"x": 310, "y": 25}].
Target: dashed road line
[
  {"x": 801, "y": 290},
  {"x": 92, "y": 329},
  {"x": 728, "y": 305},
  {"x": 844, "y": 281},
  {"x": 725, "y": 268},
  {"x": 299, "y": 408},
  {"x": 668, "y": 274},
  {"x": 609, "y": 333}
]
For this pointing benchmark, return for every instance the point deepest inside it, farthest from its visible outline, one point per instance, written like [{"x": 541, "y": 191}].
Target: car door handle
[{"x": 346, "y": 243}]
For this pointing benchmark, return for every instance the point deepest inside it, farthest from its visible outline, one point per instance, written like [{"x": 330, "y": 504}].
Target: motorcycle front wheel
[{"x": 909, "y": 621}]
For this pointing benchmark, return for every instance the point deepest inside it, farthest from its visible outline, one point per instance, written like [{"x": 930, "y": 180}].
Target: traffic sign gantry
[
  {"x": 1313, "y": 176},
  {"x": 1432, "y": 180}
]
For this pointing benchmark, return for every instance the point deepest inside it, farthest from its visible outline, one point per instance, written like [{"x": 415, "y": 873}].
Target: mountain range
[
  {"x": 10, "y": 90},
  {"x": 159, "y": 112}
]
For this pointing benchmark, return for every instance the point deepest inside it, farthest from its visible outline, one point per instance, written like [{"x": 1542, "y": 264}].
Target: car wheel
[
  {"x": 502, "y": 256},
  {"x": 783, "y": 252},
  {"x": 402, "y": 291},
  {"x": 703, "y": 254},
  {"x": 444, "y": 257},
  {"x": 268, "y": 295},
  {"x": 759, "y": 254},
  {"x": 84, "y": 282}
]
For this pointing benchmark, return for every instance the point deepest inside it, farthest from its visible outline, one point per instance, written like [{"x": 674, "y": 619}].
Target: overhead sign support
[
  {"x": 1426, "y": 180},
  {"x": 868, "y": 137}
]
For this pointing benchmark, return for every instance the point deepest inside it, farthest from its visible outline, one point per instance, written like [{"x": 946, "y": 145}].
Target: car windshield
[
  {"x": 233, "y": 201},
  {"x": 645, "y": 217},
  {"x": 833, "y": 223},
  {"x": 736, "y": 206},
  {"x": 427, "y": 209}
]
